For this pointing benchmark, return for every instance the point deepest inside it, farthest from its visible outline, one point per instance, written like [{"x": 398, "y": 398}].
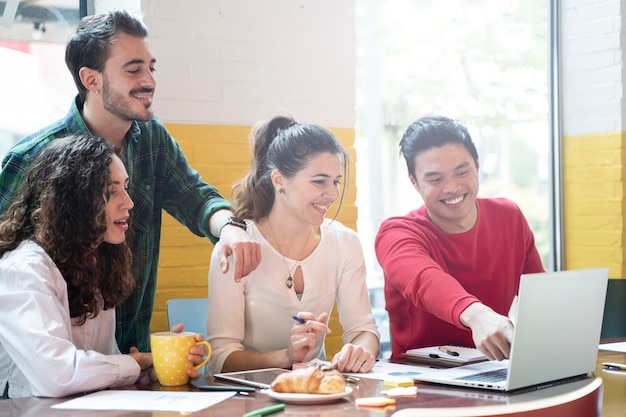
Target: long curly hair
[{"x": 60, "y": 205}]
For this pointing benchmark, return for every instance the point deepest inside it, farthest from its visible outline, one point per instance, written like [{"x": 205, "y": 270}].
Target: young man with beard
[
  {"x": 113, "y": 69},
  {"x": 452, "y": 267}
]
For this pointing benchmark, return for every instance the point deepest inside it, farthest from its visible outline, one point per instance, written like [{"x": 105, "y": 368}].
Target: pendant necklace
[{"x": 290, "y": 272}]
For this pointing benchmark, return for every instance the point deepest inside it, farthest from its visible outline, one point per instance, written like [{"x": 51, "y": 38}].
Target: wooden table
[{"x": 613, "y": 388}]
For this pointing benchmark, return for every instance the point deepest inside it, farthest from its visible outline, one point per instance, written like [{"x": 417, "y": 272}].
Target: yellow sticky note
[
  {"x": 374, "y": 402},
  {"x": 400, "y": 392},
  {"x": 399, "y": 382}
]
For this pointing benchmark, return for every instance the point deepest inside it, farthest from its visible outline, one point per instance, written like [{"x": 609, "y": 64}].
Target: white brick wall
[
  {"x": 239, "y": 61},
  {"x": 132, "y": 6},
  {"x": 592, "y": 66}
]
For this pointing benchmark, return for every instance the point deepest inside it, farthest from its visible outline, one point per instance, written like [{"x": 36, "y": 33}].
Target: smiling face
[
  {"x": 128, "y": 81},
  {"x": 309, "y": 194},
  {"x": 118, "y": 204},
  {"x": 447, "y": 179}
]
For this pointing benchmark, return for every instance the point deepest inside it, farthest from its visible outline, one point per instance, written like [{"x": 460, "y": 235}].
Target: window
[
  {"x": 484, "y": 63},
  {"x": 36, "y": 88}
]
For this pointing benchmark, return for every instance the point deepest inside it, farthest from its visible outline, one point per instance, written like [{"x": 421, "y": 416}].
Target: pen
[
  {"x": 298, "y": 319},
  {"x": 224, "y": 388},
  {"x": 265, "y": 411},
  {"x": 617, "y": 366},
  {"x": 450, "y": 352}
]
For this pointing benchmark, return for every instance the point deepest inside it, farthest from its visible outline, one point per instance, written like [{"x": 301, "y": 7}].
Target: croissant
[{"x": 310, "y": 380}]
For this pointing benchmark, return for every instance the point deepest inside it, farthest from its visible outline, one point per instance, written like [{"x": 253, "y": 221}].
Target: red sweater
[{"x": 432, "y": 276}]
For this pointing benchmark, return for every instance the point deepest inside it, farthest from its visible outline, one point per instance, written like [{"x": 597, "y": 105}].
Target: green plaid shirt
[{"x": 160, "y": 179}]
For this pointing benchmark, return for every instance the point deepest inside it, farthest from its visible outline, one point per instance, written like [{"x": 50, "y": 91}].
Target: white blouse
[
  {"x": 42, "y": 351},
  {"x": 256, "y": 313}
]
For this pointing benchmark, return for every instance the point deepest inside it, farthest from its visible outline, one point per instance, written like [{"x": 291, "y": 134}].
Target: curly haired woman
[{"x": 64, "y": 266}]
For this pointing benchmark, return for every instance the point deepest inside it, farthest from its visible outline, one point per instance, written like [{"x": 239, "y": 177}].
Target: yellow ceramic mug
[{"x": 169, "y": 356}]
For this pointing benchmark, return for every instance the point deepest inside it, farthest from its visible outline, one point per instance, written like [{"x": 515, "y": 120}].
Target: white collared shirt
[{"x": 42, "y": 351}]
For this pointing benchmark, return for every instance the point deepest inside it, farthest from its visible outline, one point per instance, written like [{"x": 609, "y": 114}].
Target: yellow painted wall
[
  {"x": 221, "y": 155},
  {"x": 593, "y": 190}
]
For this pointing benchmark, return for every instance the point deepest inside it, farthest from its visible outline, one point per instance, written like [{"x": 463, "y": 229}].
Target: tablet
[{"x": 260, "y": 378}]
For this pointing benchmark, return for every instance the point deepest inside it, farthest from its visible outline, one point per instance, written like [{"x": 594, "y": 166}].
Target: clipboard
[{"x": 446, "y": 355}]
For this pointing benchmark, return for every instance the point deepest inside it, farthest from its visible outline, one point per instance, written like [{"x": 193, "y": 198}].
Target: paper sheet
[
  {"x": 617, "y": 347},
  {"x": 383, "y": 370},
  {"x": 179, "y": 401}
]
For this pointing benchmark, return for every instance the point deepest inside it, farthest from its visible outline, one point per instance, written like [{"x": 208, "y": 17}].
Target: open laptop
[{"x": 556, "y": 334}]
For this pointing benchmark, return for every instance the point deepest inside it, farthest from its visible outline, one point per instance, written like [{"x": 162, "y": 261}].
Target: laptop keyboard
[{"x": 489, "y": 376}]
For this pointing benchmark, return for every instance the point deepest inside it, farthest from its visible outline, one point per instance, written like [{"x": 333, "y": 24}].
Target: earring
[{"x": 281, "y": 191}]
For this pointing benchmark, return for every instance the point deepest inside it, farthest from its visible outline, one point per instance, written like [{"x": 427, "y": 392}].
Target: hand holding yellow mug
[{"x": 169, "y": 356}]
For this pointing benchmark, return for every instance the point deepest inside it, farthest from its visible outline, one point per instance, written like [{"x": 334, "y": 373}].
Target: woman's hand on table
[{"x": 353, "y": 358}]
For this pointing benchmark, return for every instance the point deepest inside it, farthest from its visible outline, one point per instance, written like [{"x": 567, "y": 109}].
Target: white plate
[{"x": 294, "y": 398}]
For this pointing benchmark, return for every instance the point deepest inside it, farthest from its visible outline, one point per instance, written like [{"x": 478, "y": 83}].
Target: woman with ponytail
[{"x": 278, "y": 315}]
